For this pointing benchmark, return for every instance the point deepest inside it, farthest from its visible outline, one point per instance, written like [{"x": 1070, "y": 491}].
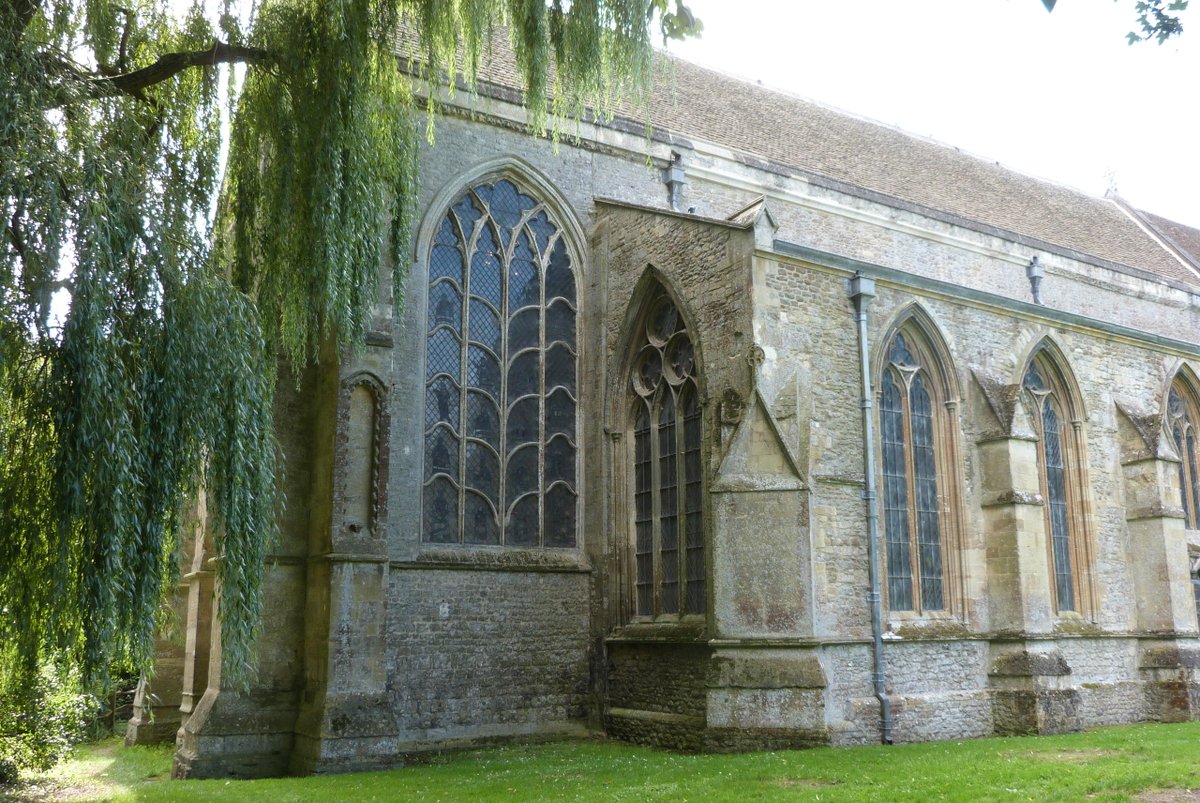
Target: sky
[{"x": 1061, "y": 96}]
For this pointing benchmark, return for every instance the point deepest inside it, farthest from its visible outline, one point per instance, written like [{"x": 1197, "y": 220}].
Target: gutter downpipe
[{"x": 862, "y": 290}]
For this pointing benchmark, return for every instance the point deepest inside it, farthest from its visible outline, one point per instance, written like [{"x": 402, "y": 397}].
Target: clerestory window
[
  {"x": 910, "y": 422},
  {"x": 1181, "y": 418},
  {"x": 668, "y": 492},
  {"x": 501, "y": 434}
]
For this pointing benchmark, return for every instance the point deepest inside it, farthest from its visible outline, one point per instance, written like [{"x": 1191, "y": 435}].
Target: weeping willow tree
[{"x": 140, "y": 335}]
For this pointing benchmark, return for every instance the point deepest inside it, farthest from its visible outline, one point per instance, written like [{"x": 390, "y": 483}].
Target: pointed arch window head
[
  {"x": 1058, "y": 471},
  {"x": 670, "y": 570},
  {"x": 501, "y": 433},
  {"x": 1182, "y": 416},
  {"x": 913, "y": 427}
]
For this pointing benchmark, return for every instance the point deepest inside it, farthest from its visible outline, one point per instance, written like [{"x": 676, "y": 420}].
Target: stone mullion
[
  {"x": 463, "y": 395},
  {"x": 910, "y": 483},
  {"x": 541, "y": 444},
  {"x": 681, "y": 540},
  {"x": 656, "y": 502}
]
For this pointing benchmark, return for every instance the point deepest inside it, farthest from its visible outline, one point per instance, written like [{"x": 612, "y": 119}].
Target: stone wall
[
  {"x": 475, "y": 654},
  {"x": 378, "y": 645}
]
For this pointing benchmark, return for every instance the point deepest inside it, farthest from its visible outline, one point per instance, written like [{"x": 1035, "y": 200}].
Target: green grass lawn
[{"x": 1146, "y": 762}]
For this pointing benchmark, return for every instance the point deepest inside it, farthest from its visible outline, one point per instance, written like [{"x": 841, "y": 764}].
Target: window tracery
[
  {"x": 909, "y": 428},
  {"x": 500, "y": 389},
  {"x": 1057, "y": 470},
  {"x": 669, "y": 553},
  {"x": 1181, "y": 419}
]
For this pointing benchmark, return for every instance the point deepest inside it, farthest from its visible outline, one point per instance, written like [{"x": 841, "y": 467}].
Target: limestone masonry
[{"x": 626, "y": 454}]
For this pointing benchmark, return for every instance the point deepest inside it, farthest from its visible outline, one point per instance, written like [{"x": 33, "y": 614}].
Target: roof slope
[
  {"x": 817, "y": 139},
  {"x": 696, "y": 103},
  {"x": 1184, "y": 239}
]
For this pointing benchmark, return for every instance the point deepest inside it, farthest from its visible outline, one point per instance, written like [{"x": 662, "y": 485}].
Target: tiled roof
[
  {"x": 1184, "y": 239},
  {"x": 696, "y": 103},
  {"x": 798, "y": 133}
]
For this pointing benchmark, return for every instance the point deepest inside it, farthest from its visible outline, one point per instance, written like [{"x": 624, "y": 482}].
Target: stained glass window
[
  {"x": 1181, "y": 418},
  {"x": 668, "y": 495},
  {"x": 911, "y": 510},
  {"x": 1046, "y": 404},
  {"x": 501, "y": 435}
]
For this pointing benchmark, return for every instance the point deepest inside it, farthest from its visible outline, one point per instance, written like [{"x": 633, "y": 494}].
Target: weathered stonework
[{"x": 380, "y": 644}]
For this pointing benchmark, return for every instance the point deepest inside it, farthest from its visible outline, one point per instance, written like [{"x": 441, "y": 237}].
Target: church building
[{"x": 774, "y": 428}]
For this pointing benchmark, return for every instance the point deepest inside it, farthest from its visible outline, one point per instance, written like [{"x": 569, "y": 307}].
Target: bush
[{"x": 40, "y": 721}]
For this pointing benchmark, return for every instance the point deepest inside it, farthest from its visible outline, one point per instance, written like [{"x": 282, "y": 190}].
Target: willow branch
[{"x": 171, "y": 64}]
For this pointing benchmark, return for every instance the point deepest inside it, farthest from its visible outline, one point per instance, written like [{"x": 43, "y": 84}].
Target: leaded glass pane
[
  {"x": 560, "y": 323},
  {"x": 643, "y": 504},
  {"x": 900, "y": 353},
  {"x": 523, "y": 375},
  {"x": 670, "y": 550},
  {"x": 560, "y": 413},
  {"x": 561, "y": 504},
  {"x": 483, "y": 471},
  {"x": 929, "y": 540},
  {"x": 560, "y": 461},
  {"x": 441, "y": 511},
  {"x": 560, "y": 281},
  {"x": 523, "y": 421},
  {"x": 560, "y": 367},
  {"x": 441, "y": 402},
  {"x": 664, "y": 321},
  {"x": 446, "y": 262},
  {"x": 523, "y": 522},
  {"x": 467, "y": 212},
  {"x": 895, "y": 496},
  {"x": 522, "y": 474},
  {"x": 523, "y": 289},
  {"x": 668, "y": 507},
  {"x": 444, "y": 354},
  {"x": 505, "y": 237},
  {"x": 1056, "y": 482},
  {"x": 445, "y": 306},
  {"x": 479, "y": 520},
  {"x": 441, "y": 453},
  {"x": 482, "y": 371},
  {"x": 483, "y": 419},
  {"x": 506, "y": 209},
  {"x": 693, "y": 505},
  {"x": 485, "y": 326},
  {"x": 485, "y": 269},
  {"x": 524, "y": 330},
  {"x": 543, "y": 230},
  {"x": 1033, "y": 379}
]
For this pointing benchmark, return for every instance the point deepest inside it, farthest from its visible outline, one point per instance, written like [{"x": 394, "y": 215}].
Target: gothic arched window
[
  {"x": 500, "y": 376},
  {"x": 911, "y": 425},
  {"x": 668, "y": 494},
  {"x": 1058, "y": 469},
  {"x": 1181, "y": 418}
]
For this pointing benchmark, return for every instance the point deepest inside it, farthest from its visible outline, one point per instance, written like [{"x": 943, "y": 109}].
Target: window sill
[
  {"x": 688, "y": 629},
  {"x": 906, "y": 626},
  {"x": 500, "y": 558}
]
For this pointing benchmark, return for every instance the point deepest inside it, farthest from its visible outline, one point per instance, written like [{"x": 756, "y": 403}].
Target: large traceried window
[
  {"x": 1058, "y": 469},
  {"x": 1182, "y": 416},
  {"x": 668, "y": 494},
  {"x": 500, "y": 378},
  {"x": 911, "y": 421}
]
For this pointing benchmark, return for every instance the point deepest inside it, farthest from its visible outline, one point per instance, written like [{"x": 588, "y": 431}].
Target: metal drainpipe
[{"x": 862, "y": 290}]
